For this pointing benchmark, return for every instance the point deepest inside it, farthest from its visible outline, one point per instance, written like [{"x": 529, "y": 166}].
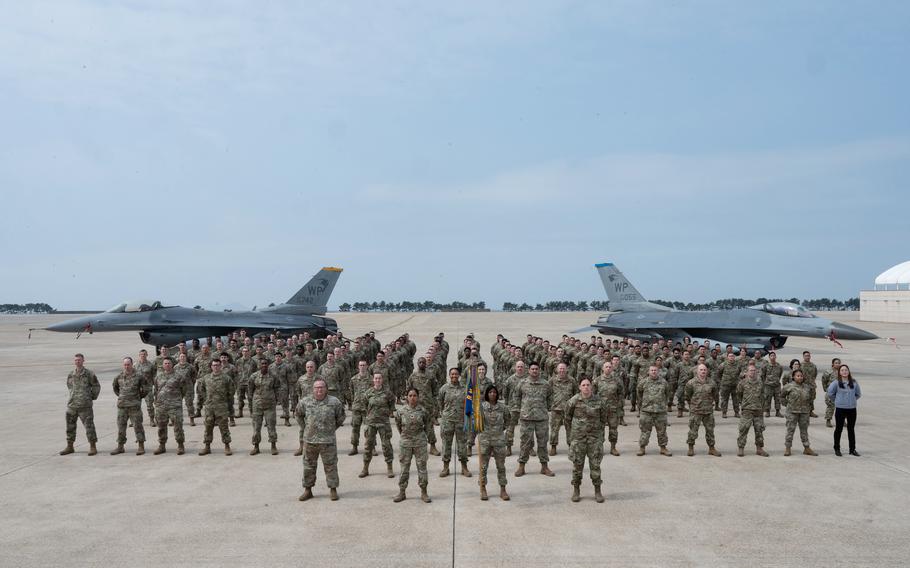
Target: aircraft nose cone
[
  {"x": 844, "y": 331},
  {"x": 73, "y": 325}
]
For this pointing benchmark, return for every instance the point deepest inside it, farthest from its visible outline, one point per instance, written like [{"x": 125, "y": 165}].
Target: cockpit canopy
[
  {"x": 135, "y": 306},
  {"x": 784, "y": 309}
]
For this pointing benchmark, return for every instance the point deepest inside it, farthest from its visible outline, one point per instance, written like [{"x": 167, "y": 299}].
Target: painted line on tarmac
[{"x": 402, "y": 322}]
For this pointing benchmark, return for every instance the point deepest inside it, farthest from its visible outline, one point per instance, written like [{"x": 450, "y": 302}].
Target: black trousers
[{"x": 840, "y": 415}]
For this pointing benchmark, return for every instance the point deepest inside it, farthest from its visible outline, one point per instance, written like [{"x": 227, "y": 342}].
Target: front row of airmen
[{"x": 539, "y": 405}]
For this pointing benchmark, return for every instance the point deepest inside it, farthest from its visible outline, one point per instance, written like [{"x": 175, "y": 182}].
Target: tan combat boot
[
  {"x": 239, "y": 415},
  {"x": 423, "y": 495},
  {"x": 712, "y": 451},
  {"x": 92, "y": 449},
  {"x": 828, "y": 423},
  {"x": 741, "y": 452},
  {"x": 598, "y": 496},
  {"x": 159, "y": 450},
  {"x": 299, "y": 451},
  {"x": 433, "y": 451},
  {"x": 760, "y": 451},
  {"x": 679, "y": 412},
  {"x": 787, "y": 451},
  {"x": 353, "y": 451},
  {"x": 445, "y": 469},
  {"x": 180, "y": 449},
  {"x": 400, "y": 497},
  {"x": 307, "y": 494},
  {"x": 520, "y": 471},
  {"x": 68, "y": 449},
  {"x": 287, "y": 421},
  {"x": 232, "y": 421},
  {"x": 613, "y": 450},
  {"x": 552, "y": 450},
  {"x": 389, "y": 473},
  {"x": 691, "y": 451},
  {"x": 141, "y": 449},
  {"x": 641, "y": 451},
  {"x": 255, "y": 450},
  {"x": 365, "y": 471},
  {"x": 545, "y": 470},
  {"x": 777, "y": 414},
  {"x": 576, "y": 493},
  {"x": 206, "y": 450},
  {"x": 809, "y": 451},
  {"x": 665, "y": 452},
  {"x": 227, "y": 450},
  {"x": 735, "y": 414},
  {"x": 502, "y": 493},
  {"x": 724, "y": 414},
  {"x": 119, "y": 450},
  {"x": 812, "y": 414},
  {"x": 509, "y": 450},
  {"x": 333, "y": 494},
  {"x": 483, "y": 493},
  {"x": 767, "y": 414},
  {"x": 464, "y": 469},
  {"x": 192, "y": 420},
  {"x": 274, "y": 448}
]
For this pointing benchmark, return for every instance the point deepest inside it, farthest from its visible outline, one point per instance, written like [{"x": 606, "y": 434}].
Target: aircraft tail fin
[
  {"x": 622, "y": 294},
  {"x": 314, "y": 296}
]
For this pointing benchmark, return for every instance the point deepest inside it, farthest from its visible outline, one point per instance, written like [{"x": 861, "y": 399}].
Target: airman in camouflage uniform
[
  {"x": 510, "y": 393},
  {"x": 750, "y": 391},
  {"x": 217, "y": 390},
  {"x": 684, "y": 374},
  {"x": 535, "y": 398},
  {"x": 147, "y": 370},
  {"x": 730, "y": 371},
  {"x": 700, "y": 395},
  {"x": 810, "y": 372},
  {"x": 770, "y": 376},
  {"x": 333, "y": 375},
  {"x": 265, "y": 390},
  {"x": 451, "y": 400},
  {"x": 564, "y": 388},
  {"x": 170, "y": 391},
  {"x": 380, "y": 406},
  {"x": 361, "y": 383},
  {"x": 187, "y": 373},
  {"x": 586, "y": 415},
  {"x": 428, "y": 392},
  {"x": 413, "y": 423},
  {"x": 245, "y": 367},
  {"x": 203, "y": 363},
  {"x": 828, "y": 377},
  {"x": 130, "y": 388},
  {"x": 304, "y": 388},
  {"x": 321, "y": 415},
  {"x": 798, "y": 399},
  {"x": 493, "y": 440},
  {"x": 609, "y": 388},
  {"x": 652, "y": 392},
  {"x": 283, "y": 369},
  {"x": 83, "y": 388}
]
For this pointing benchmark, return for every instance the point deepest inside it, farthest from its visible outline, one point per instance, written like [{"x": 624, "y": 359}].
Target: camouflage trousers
[
  {"x": 311, "y": 455},
  {"x": 419, "y": 454},
  {"x": 499, "y": 455},
  {"x": 633, "y": 393},
  {"x": 717, "y": 393},
  {"x": 829, "y": 408},
  {"x": 124, "y": 416},
  {"x": 87, "y": 415},
  {"x": 284, "y": 400},
  {"x": 751, "y": 419},
  {"x": 293, "y": 399},
  {"x": 431, "y": 435},
  {"x": 671, "y": 391},
  {"x": 771, "y": 392},
  {"x": 513, "y": 423},
  {"x": 590, "y": 448},
  {"x": 356, "y": 424},
  {"x": 812, "y": 390},
  {"x": 613, "y": 415},
  {"x": 164, "y": 415},
  {"x": 449, "y": 431},
  {"x": 696, "y": 420},
  {"x": 150, "y": 407},
  {"x": 727, "y": 392},
  {"x": 269, "y": 415},
  {"x": 795, "y": 419},
  {"x": 384, "y": 431},
  {"x": 222, "y": 422},
  {"x": 681, "y": 394},
  {"x": 556, "y": 422},
  {"x": 242, "y": 393},
  {"x": 656, "y": 421},
  {"x": 529, "y": 430},
  {"x": 188, "y": 400}
]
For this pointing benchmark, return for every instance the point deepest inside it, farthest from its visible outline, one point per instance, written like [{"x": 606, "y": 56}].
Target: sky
[{"x": 221, "y": 152}]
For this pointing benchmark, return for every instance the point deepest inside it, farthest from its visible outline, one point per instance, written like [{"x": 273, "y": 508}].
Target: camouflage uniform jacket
[
  {"x": 83, "y": 388},
  {"x": 652, "y": 395},
  {"x": 218, "y": 393},
  {"x": 304, "y": 386},
  {"x": 360, "y": 385},
  {"x": 495, "y": 421},
  {"x": 380, "y": 404},
  {"x": 770, "y": 374},
  {"x": 700, "y": 396},
  {"x": 585, "y": 418},
  {"x": 426, "y": 388},
  {"x": 563, "y": 390},
  {"x": 611, "y": 390},
  {"x": 797, "y": 397},
  {"x": 147, "y": 371},
  {"x": 451, "y": 404},
  {"x": 245, "y": 369},
  {"x": 170, "y": 390},
  {"x": 413, "y": 424},
  {"x": 130, "y": 389},
  {"x": 510, "y": 391},
  {"x": 729, "y": 373},
  {"x": 333, "y": 376},
  {"x": 750, "y": 393},
  {"x": 264, "y": 389},
  {"x": 535, "y": 398},
  {"x": 320, "y": 419}
]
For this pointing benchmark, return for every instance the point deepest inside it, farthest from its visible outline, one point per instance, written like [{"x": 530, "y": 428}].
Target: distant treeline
[
  {"x": 821, "y": 304},
  {"x": 38, "y": 308},
  {"x": 426, "y": 306}
]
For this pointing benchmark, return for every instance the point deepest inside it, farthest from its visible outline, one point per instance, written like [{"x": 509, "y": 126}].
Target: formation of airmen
[{"x": 585, "y": 388}]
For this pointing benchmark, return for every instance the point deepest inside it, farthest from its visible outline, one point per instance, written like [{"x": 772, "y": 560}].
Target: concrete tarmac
[{"x": 242, "y": 510}]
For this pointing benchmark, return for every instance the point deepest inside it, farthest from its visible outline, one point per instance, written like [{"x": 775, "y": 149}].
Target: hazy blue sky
[{"x": 222, "y": 152}]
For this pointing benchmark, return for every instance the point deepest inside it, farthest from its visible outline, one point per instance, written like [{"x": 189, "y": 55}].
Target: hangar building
[{"x": 889, "y": 299}]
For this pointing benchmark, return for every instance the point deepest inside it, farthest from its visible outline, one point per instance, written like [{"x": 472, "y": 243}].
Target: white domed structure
[{"x": 889, "y": 299}]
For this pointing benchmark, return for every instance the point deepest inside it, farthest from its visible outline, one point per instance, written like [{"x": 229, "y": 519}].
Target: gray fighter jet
[
  {"x": 159, "y": 324},
  {"x": 763, "y": 326}
]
